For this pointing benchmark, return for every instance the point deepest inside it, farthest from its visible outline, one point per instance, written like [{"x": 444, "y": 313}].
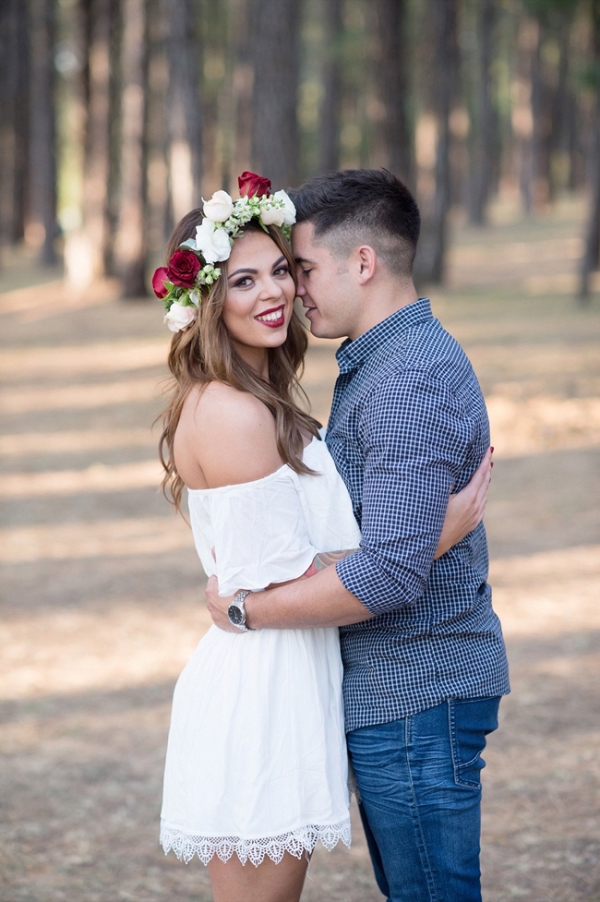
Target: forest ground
[{"x": 102, "y": 596}]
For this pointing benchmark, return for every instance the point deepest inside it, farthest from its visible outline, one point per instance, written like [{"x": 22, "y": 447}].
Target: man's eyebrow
[{"x": 303, "y": 260}]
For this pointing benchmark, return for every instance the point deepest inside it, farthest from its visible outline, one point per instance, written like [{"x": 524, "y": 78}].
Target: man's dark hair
[{"x": 362, "y": 206}]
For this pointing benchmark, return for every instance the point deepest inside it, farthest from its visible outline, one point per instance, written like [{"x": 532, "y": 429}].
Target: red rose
[
  {"x": 253, "y": 185},
  {"x": 158, "y": 282},
  {"x": 184, "y": 266}
]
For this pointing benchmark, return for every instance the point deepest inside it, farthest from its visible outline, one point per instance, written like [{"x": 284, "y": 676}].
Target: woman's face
[{"x": 260, "y": 294}]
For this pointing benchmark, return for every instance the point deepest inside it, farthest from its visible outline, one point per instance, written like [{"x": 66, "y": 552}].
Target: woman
[{"x": 256, "y": 765}]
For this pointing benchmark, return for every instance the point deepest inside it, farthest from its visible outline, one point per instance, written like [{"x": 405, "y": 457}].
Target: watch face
[{"x": 235, "y": 614}]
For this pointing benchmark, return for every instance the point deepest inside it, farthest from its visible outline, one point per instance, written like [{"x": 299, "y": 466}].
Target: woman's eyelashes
[
  {"x": 243, "y": 282},
  {"x": 248, "y": 281}
]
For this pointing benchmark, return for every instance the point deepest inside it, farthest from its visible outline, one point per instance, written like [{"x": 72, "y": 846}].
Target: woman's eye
[
  {"x": 243, "y": 283},
  {"x": 282, "y": 271}
]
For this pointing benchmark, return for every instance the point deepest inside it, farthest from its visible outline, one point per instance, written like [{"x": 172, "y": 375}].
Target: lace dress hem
[{"x": 296, "y": 842}]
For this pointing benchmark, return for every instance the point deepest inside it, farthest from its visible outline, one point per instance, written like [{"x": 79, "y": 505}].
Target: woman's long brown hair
[{"x": 204, "y": 353}]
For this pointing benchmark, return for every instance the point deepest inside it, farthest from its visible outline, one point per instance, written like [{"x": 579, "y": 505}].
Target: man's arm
[
  {"x": 319, "y": 601},
  {"x": 415, "y": 440}
]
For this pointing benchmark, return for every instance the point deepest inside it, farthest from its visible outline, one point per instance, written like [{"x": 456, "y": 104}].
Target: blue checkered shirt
[{"x": 408, "y": 424}]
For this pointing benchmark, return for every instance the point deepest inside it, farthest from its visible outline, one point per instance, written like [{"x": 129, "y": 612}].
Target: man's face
[{"x": 324, "y": 285}]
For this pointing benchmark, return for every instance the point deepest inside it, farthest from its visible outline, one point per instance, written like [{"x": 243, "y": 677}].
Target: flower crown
[{"x": 191, "y": 267}]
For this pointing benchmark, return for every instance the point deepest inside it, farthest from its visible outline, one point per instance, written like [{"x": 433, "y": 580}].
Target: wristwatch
[{"x": 237, "y": 612}]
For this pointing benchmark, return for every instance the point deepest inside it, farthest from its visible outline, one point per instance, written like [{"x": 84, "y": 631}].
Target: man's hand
[{"x": 217, "y": 607}]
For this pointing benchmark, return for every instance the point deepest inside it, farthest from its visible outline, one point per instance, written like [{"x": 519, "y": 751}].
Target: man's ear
[{"x": 366, "y": 263}]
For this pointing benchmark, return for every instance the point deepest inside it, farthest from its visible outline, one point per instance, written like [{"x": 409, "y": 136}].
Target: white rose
[
  {"x": 271, "y": 216},
  {"x": 219, "y": 207},
  {"x": 179, "y": 317},
  {"x": 211, "y": 242},
  {"x": 289, "y": 210}
]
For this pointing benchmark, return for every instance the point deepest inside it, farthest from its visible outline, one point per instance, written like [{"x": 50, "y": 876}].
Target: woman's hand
[{"x": 466, "y": 509}]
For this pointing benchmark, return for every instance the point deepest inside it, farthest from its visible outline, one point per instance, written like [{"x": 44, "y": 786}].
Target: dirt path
[{"x": 102, "y": 597}]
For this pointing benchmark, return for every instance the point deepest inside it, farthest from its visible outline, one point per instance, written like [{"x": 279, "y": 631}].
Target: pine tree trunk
[
  {"x": 130, "y": 246},
  {"x": 562, "y": 98},
  {"x": 184, "y": 108},
  {"x": 96, "y": 153},
  {"x": 392, "y": 71},
  {"x": 275, "y": 51},
  {"x": 443, "y": 16},
  {"x": 591, "y": 256},
  {"x": 541, "y": 110},
  {"x": 14, "y": 118},
  {"x": 43, "y": 127},
  {"x": 482, "y": 164},
  {"x": 329, "y": 156},
  {"x": 113, "y": 187},
  {"x": 7, "y": 125},
  {"x": 527, "y": 41}
]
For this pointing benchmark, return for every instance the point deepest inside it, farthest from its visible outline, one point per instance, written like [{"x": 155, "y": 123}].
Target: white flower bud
[
  {"x": 289, "y": 210},
  {"x": 212, "y": 242},
  {"x": 219, "y": 208},
  {"x": 179, "y": 317},
  {"x": 272, "y": 216}
]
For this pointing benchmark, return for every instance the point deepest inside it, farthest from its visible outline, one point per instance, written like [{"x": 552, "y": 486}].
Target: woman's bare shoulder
[{"x": 233, "y": 433}]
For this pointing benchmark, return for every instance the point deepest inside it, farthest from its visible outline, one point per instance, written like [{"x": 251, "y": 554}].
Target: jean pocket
[{"x": 470, "y": 722}]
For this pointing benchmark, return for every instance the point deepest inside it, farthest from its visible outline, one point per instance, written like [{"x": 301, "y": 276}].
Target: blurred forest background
[{"x": 117, "y": 116}]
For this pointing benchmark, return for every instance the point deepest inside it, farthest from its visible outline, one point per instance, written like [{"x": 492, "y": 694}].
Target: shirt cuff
[{"x": 374, "y": 588}]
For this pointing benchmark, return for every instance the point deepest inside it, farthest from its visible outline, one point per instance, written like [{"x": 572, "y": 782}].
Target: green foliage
[
  {"x": 588, "y": 77},
  {"x": 544, "y": 9}
]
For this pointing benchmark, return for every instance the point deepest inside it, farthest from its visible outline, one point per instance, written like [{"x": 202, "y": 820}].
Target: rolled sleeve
[{"x": 413, "y": 437}]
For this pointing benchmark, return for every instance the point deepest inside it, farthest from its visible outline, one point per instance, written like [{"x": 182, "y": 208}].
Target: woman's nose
[{"x": 271, "y": 288}]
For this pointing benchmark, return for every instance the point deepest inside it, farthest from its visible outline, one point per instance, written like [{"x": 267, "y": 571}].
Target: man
[{"x": 424, "y": 658}]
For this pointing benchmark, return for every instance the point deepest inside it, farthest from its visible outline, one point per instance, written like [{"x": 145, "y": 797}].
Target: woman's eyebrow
[{"x": 253, "y": 271}]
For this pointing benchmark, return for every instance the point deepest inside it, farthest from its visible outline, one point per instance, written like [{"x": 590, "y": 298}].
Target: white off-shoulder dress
[{"x": 256, "y": 760}]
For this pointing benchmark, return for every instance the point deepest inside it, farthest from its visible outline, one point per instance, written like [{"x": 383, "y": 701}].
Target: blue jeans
[{"x": 419, "y": 781}]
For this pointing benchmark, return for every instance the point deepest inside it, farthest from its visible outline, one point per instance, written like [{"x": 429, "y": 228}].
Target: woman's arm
[
  {"x": 464, "y": 512},
  {"x": 466, "y": 509}
]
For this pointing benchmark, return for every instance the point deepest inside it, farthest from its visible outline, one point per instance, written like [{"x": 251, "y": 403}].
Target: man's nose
[{"x": 301, "y": 289}]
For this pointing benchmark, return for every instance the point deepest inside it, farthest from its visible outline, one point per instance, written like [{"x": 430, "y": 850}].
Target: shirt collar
[{"x": 351, "y": 354}]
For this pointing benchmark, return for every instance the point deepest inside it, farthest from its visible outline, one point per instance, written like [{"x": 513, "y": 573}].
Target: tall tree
[
  {"x": 115, "y": 89},
  {"x": 392, "y": 71},
  {"x": 330, "y": 116},
  {"x": 591, "y": 255},
  {"x": 548, "y": 86},
  {"x": 14, "y": 118},
  {"x": 275, "y": 52},
  {"x": 541, "y": 112},
  {"x": 184, "y": 107},
  {"x": 483, "y": 146},
  {"x": 527, "y": 42},
  {"x": 96, "y": 151},
  {"x": 43, "y": 173},
  {"x": 130, "y": 245},
  {"x": 443, "y": 19}
]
